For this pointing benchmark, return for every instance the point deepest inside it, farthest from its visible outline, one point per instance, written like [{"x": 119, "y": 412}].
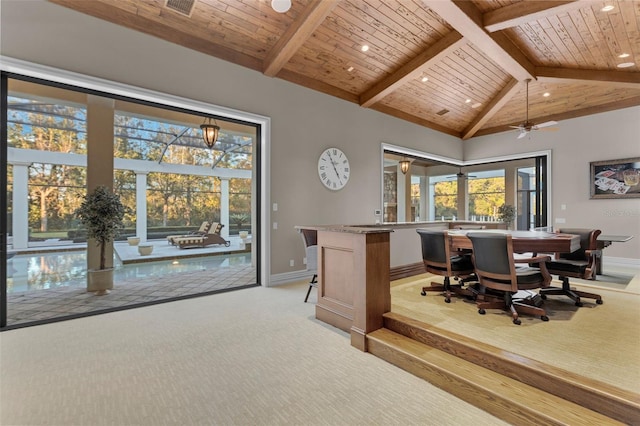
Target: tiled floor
[{"x": 42, "y": 305}]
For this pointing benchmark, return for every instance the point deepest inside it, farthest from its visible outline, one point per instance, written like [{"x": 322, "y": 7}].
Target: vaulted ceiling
[{"x": 459, "y": 67}]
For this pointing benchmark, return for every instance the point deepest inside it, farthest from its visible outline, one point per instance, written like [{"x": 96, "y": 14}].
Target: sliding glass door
[{"x": 157, "y": 163}]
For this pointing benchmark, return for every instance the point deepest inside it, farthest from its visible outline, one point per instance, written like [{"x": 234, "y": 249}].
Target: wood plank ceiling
[{"x": 458, "y": 67}]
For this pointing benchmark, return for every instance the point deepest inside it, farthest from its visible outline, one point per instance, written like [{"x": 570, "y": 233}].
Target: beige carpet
[
  {"x": 248, "y": 357},
  {"x": 601, "y": 342}
]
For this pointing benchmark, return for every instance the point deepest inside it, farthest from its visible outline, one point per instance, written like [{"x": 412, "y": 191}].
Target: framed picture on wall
[{"x": 615, "y": 178}]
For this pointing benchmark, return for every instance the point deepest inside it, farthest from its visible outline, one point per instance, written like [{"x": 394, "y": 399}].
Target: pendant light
[{"x": 210, "y": 132}]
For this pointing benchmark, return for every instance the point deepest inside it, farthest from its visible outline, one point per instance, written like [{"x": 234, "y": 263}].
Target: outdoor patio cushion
[{"x": 204, "y": 228}]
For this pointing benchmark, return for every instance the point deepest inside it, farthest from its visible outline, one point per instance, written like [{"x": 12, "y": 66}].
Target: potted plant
[
  {"x": 102, "y": 213},
  {"x": 506, "y": 214}
]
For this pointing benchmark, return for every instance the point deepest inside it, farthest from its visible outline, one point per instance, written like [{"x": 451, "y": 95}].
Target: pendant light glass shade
[
  {"x": 404, "y": 165},
  {"x": 210, "y": 132}
]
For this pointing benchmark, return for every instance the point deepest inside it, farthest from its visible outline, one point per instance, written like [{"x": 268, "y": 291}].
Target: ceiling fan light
[
  {"x": 281, "y": 6},
  {"x": 626, "y": 65},
  {"x": 608, "y": 8}
]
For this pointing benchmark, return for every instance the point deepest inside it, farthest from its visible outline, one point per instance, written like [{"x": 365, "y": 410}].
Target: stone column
[
  {"x": 20, "y": 200},
  {"x": 100, "y": 123},
  {"x": 224, "y": 207},
  {"x": 141, "y": 205}
]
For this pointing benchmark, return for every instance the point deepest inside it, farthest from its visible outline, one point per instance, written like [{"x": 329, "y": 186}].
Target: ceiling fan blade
[
  {"x": 522, "y": 135},
  {"x": 516, "y": 127},
  {"x": 545, "y": 124}
]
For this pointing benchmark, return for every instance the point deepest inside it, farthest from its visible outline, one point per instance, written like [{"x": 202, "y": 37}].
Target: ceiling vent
[
  {"x": 442, "y": 111},
  {"x": 183, "y": 7}
]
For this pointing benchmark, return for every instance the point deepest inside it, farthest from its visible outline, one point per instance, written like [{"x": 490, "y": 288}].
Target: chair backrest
[
  {"x": 215, "y": 228},
  {"x": 493, "y": 260},
  {"x": 588, "y": 241},
  {"x": 433, "y": 245},
  {"x": 310, "y": 240},
  {"x": 435, "y": 251},
  {"x": 309, "y": 237},
  {"x": 204, "y": 227}
]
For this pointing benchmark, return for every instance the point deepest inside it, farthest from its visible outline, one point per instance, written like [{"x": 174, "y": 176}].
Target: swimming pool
[{"x": 42, "y": 271}]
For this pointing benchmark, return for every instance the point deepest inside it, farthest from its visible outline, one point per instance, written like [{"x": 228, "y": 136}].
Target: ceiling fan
[
  {"x": 460, "y": 174},
  {"x": 526, "y": 127}
]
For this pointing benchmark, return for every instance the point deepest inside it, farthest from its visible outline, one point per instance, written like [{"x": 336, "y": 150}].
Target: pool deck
[
  {"x": 162, "y": 250},
  {"x": 126, "y": 253}
]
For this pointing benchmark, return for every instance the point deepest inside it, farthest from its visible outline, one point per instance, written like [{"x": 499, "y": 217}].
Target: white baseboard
[
  {"x": 623, "y": 262},
  {"x": 289, "y": 277}
]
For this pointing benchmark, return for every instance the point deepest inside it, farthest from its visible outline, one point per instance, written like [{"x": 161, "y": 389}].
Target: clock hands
[{"x": 333, "y": 163}]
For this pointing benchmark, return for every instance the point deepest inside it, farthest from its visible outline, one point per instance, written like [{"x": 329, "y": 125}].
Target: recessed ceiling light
[
  {"x": 626, "y": 65},
  {"x": 546, "y": 94},
  {"x": 467, "y": 101},
  {"x": 476, "y": 105},
  {"x": 623, "y": 55},
  {"x": 425, "y": 79},
  {"x": 364, "y": 48},
  {"x": 281, "y": 6},
  {"x": 350, "y": 69},
  {"x": 608, "y": 8}
]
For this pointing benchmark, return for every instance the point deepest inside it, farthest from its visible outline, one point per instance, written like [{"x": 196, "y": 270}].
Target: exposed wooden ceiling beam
[
  {"x": 109, "y": 13},
  {"x": 467, "y": 19},
  {"x": 491, "y": 109},
  {"x": 296, "y": 35},
  {"x": 624, "y": 79},
  {"x": 318, "y": 85},
  {"x": 526, "y": 11},
  {"x": 612, "y": 106},
  {"x": 413, "y": 68}
]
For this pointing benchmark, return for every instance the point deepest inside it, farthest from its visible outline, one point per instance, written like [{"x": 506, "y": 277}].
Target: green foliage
[
  {"x": 239, "y": 218},
  {"x": 506, "y": 213},
  {"x": 102, "y": 213},
  {"x": 55, "y": 191}
]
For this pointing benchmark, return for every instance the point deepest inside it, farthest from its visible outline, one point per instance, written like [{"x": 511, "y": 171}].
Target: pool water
[{"x": 43, "y": 271}]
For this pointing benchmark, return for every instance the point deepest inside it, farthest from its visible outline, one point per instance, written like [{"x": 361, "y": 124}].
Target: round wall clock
[{"x": 333, "y": 168}]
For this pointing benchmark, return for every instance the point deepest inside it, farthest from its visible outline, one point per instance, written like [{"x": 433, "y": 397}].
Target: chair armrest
[
  {"x": 592, "y": 256},
  {"x": 541, "y": 262},
  {"x": 535, "y": 259}
]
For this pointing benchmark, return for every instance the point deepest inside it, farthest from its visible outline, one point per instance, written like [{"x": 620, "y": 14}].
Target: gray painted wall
[{"x": 305, "y": 122}]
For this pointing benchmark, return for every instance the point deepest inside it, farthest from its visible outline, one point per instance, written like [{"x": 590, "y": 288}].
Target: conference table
[{"x": 523, "y": 241}]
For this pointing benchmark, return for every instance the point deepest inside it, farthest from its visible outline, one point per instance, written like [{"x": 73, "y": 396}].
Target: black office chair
[
  {"x": 310, "y": 239},
  {"x": 495, "y": 267},
  {"x": 437, "y": 259},
  {"x": 579, "y": 264}
]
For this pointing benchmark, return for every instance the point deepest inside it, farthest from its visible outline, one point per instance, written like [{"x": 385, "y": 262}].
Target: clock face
[{"x": 333, "y": 169}]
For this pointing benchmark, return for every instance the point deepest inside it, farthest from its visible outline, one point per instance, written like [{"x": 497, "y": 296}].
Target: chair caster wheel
[
  {"x": 599, "y": 302},
  {"x": 579, "y": 304},
  {"x": 544, "y": 318},
  {"x": 482, "y": 311},
  {"x": 447, "y": 300},
  {"x": 517, "y": 321},
  {"x": 543, "y": 296},
  {"x": 423, "y": 293}
]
